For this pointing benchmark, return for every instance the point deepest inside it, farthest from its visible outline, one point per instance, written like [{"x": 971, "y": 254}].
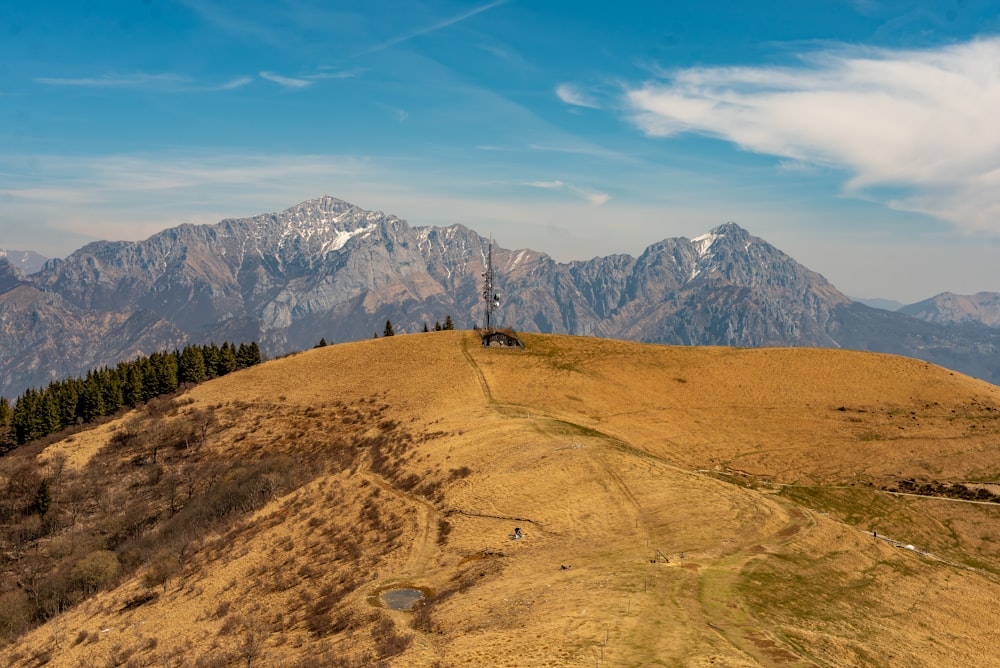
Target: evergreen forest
[{"x": 40, "y": 412}]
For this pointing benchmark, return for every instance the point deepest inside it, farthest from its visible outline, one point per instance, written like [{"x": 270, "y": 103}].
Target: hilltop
[{"x": 680, "y": 506}]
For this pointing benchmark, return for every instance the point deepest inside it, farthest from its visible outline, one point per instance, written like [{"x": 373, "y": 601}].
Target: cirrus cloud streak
[
  {"x": 592, "y": 197},
  {"x": 921, "y": 124}
]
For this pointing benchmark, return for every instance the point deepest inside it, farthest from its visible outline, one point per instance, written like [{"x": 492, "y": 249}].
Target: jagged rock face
[
  {"x": 199, "y": 276},
  {"x": 327, "y": 269},
  {"x": 947, "y": 307},
  {"x": 43, "y": 337},
  {"x": 10, "y": 275},
  {"x": 743, "y": 292}
]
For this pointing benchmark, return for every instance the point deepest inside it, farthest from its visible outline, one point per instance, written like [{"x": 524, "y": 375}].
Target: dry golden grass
[{"x": 756, "y": 473}]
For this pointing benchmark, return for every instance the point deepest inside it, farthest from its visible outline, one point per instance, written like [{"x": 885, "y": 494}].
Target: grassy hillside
[{"x": 680, "y": 507}]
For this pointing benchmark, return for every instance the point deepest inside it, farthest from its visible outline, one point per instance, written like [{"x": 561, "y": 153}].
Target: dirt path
[
  {"x": 425, "y": 544},
  {"x": 479, "y": 372}
]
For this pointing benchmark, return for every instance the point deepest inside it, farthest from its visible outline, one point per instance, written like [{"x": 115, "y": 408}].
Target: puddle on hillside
[{"x": 401, "y": 599}]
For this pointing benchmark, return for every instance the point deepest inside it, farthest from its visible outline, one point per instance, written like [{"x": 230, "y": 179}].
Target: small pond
[{"x": 401, "y": 599}]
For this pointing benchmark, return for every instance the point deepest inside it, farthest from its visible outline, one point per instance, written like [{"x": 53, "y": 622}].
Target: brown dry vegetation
[{"x": 681, "y": 506}]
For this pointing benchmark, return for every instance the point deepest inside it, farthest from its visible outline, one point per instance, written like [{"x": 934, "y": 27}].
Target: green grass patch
[{"x": 949, "y": 529}]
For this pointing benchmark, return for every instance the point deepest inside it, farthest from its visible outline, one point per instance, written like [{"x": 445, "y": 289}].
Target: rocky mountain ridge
[
  {"x": 328, "y": 269},
  {"x": 949, "y": 308}
]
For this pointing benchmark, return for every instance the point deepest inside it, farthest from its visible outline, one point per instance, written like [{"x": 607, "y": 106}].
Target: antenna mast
[{"x": 490, "y": 296}]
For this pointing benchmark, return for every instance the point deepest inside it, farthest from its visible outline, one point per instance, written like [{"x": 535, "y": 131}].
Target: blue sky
[{"x": 859, "y": 136}]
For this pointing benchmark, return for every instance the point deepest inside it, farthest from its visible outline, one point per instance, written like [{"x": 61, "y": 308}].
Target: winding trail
[{"x": 425, "y": 544}]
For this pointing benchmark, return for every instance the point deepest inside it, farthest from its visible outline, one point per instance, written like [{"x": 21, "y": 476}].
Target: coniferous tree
[
  {"x": 437, "y": 326},
  {"x": 7, "y": 441},
  {"x": 167, "y": 373},
  {"x": 91, "y": 400},
  {"x": 388, "y": 331},
  {"x": 191, "y": 365},
  {"x": 426, "y": 329},
  {"x": 132, "y": 391},
  {"x": 247, "y": 355},
  {"x": 48, "y": 414},
  {"x": 111, "y": 391},
  {"x": 448, "y": 324},
  {"x": 227, "y": 359},
  {"x": 43, "y": 498},
  {"x": 210, "y": 354},
  {"x": 150, "y": 383},
  {"x": 68, "y": 399},
  {"x": 322, "y": 343},
  {"x": 163, "y": 375},
  {"x": 21, "y": 419}
]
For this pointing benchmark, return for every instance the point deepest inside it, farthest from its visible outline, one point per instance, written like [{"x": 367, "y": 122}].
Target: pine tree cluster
[
  {"x": 389, "y": 330},
  {"x": 438, "y": 327},
  {"x": 41, "y": 412}
]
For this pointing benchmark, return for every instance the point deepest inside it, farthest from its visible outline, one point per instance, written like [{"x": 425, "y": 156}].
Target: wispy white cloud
[
  {"x": 571, "y": 94},
  {"x": 287, "y": 82},
  {"x": 458, "y": 18},
  {"x": 238, "y": 82},
  {"x": 592, "y": 197},
  {"x": 116, "y": 80},
  {"x": 334, "y": 74},
  {"x": 306, "y": 80},
  {"x": 581, "y": 148},
  {"x": 921, "y": 123},
  {"x": 160, "y": 82},
  {"x": 499, "y": 52}
]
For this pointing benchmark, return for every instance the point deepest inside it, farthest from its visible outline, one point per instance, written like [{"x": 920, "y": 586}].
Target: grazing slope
[{"x": 680, "y": 506}]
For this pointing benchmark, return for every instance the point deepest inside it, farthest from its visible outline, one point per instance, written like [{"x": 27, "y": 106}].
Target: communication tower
[
  {"x": 490, "y": 295},
  {"x": 491, "y": 336}
]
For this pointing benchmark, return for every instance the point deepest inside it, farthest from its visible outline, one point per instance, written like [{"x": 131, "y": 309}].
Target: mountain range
[{"x": 328, "y": 269}]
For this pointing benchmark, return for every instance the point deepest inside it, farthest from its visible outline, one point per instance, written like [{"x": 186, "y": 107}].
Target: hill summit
[{"x": 676, "y": 505}]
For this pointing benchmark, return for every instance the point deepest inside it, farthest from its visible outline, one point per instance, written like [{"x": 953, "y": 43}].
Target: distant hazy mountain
[
  {"x": 27, "y": 261},
  {"x": 876, "y": 302},
  {"x": 327, "y": 269},
  {"x": 949, "y": 308}
]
